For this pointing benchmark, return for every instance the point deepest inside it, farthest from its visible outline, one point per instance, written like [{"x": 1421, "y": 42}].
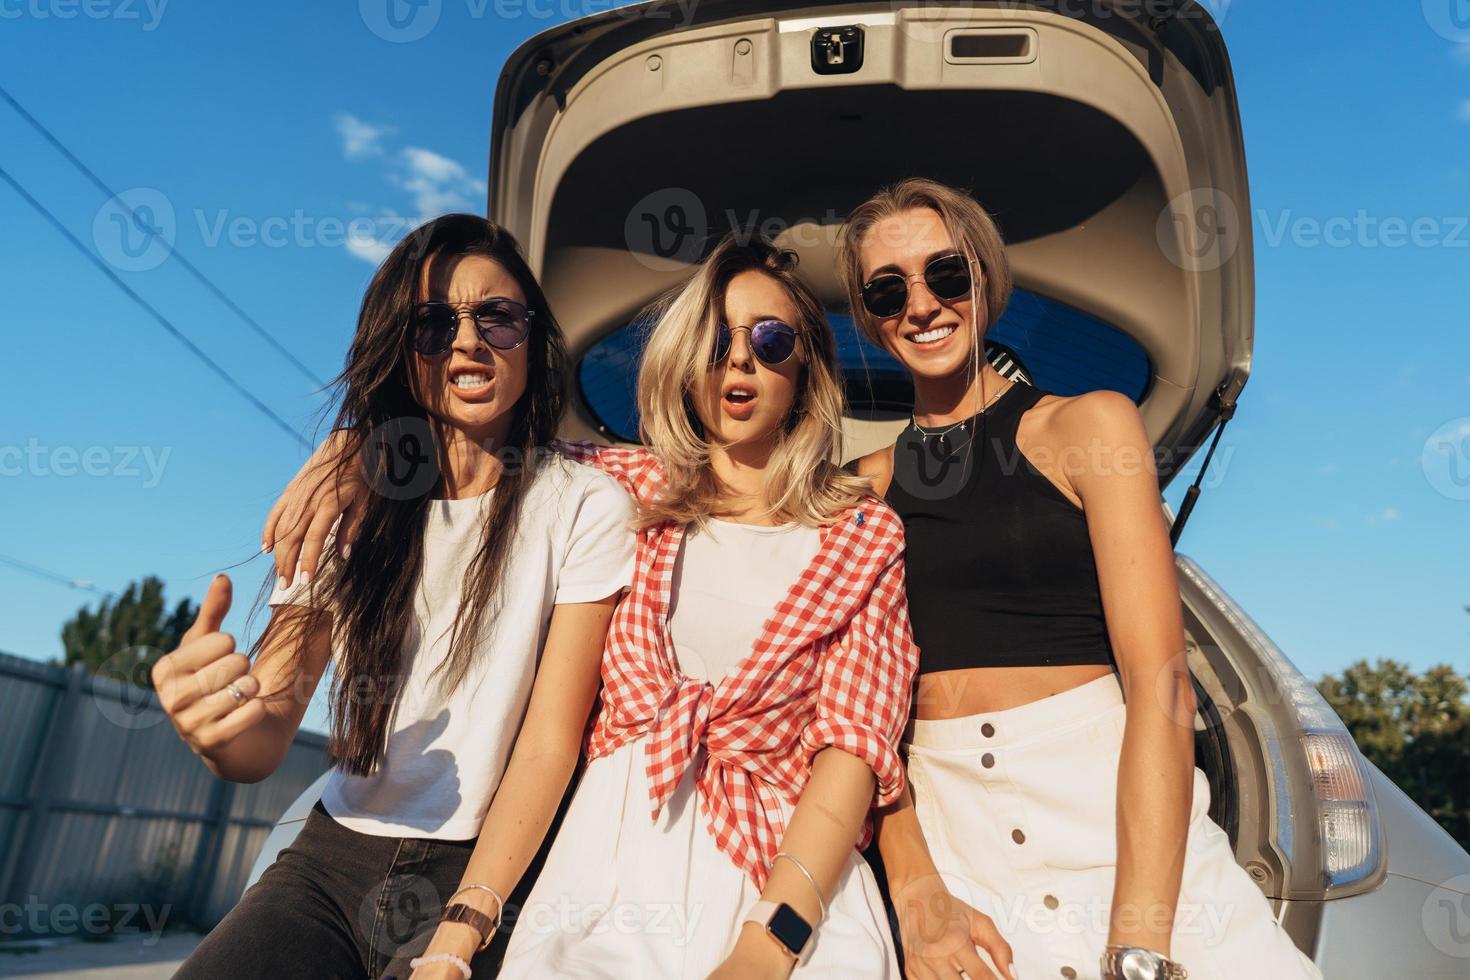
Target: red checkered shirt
[{"x": 834, "y": 666}]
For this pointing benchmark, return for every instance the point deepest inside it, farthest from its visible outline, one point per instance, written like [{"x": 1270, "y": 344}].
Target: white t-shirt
[
  {"x": 445, "y": 756},
  {"x": 726, "y": 584}
]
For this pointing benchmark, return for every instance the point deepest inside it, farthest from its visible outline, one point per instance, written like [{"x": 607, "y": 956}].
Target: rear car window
[{"x": 1061, "y": 349}]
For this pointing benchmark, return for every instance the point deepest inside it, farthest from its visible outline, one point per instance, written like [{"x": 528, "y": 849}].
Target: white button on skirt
[
  {"x": 622, "y": 897},
  {"x": 1018, "y": 808}
]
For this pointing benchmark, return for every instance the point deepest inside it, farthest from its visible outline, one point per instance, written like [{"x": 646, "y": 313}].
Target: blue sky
[{"x": 267, "y": 128}]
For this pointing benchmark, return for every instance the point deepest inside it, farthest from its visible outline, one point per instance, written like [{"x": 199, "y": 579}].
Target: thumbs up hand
[{"x": 205, "y": 685}]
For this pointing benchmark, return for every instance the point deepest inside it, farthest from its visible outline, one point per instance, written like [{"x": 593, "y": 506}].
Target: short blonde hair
[
  {"x": 804, "y": 481},
  {"x": 970, "y": 227}
]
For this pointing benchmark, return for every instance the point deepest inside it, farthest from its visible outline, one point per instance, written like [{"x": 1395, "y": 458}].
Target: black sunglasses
[
  {"x": 770, "y": 340},
  {"x": 947, "y": 277},
  {"x": 502, "y": 323}
]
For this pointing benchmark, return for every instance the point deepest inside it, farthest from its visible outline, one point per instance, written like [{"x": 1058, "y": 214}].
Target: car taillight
[{"x": 1346, "y": 811}]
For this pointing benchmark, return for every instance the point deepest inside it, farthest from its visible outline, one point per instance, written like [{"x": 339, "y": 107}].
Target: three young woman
[{"x": 1054, "y": 808}]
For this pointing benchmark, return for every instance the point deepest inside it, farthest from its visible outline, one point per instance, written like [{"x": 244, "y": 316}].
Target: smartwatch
[{"x": 785, "y": 925}]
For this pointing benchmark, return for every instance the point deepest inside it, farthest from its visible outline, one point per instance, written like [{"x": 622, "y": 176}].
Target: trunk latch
[{"x": 837, "y": 50}]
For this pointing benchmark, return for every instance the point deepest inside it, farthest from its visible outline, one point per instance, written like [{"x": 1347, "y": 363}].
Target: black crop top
[{"x": 999, "y": 565}]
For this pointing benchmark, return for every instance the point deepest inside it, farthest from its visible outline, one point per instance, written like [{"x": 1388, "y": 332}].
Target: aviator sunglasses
[
  {"x": 947, "y": 277},
  {"x": 772, "y": 341},
  {"x": 502, "y": 323}
]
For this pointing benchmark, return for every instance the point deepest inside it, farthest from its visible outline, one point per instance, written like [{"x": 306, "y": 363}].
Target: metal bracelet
[{"x": 821, "y": 902}]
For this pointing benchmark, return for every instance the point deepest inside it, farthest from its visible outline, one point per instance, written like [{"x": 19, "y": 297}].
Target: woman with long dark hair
[
  {"x": 1053, "y": 796},
  {"x": 465, "y": 625}
]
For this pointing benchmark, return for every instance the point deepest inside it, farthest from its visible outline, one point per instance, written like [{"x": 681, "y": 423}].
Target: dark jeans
[{"x": 340, "y": 904}]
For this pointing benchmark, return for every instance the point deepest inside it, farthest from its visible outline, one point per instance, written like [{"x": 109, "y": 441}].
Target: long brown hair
[{"x": 371, "y": 593}]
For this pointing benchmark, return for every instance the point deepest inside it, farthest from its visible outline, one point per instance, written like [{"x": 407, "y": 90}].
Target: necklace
[{"x": 941, "y": 439}]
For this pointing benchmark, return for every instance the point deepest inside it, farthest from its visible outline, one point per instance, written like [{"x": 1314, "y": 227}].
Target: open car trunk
[{"x": 1107, "y": 145}]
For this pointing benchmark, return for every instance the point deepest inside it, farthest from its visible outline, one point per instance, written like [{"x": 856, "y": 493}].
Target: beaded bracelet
[{"x": 454, "y": 958}]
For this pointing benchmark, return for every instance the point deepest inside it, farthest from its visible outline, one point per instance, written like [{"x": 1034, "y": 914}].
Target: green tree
[
  {"x": 1416, "y": 728},
  {"x": 126, "y": 635}
]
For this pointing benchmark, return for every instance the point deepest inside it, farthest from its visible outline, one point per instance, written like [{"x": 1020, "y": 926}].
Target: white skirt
[
  {"x": 1018, "y": 810},
  {"x": 621, "y": 896}
]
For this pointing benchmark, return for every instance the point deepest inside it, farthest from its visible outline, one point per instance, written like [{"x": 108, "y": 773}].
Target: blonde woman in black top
[{"x": 1055, "y": 817}]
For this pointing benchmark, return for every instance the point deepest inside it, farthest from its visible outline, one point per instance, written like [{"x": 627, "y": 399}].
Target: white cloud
[
  {"x": 1462, "y": 53},
  {"x": 1328, "y": 523},
  {"x": 433, "y": 183},
  {"x": 1389, "y": 514},
  {"x": 360, "y": 140},
  {"x": 1465, "y": 111},
  {"x": 368, "y": 248},
  {"x": 437, "y": 183}
]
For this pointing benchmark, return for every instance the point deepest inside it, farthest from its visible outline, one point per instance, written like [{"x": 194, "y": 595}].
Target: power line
[
  {"x": 162, "y": 320},
  {"x": 133, "y": 218},
  {"x": 75, "y": 583}
]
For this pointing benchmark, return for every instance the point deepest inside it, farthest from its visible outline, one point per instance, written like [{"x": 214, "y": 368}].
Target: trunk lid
[{"x": 1106, "y": 142}]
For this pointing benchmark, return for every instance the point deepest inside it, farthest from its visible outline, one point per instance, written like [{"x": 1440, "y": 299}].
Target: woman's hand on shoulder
[{"x": 328, "y": 486}]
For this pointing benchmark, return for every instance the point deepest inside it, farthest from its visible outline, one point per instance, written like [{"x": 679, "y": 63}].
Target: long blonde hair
[
  {"x": 804, "y": 482},
  {"x": 971, "y": 229}
]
